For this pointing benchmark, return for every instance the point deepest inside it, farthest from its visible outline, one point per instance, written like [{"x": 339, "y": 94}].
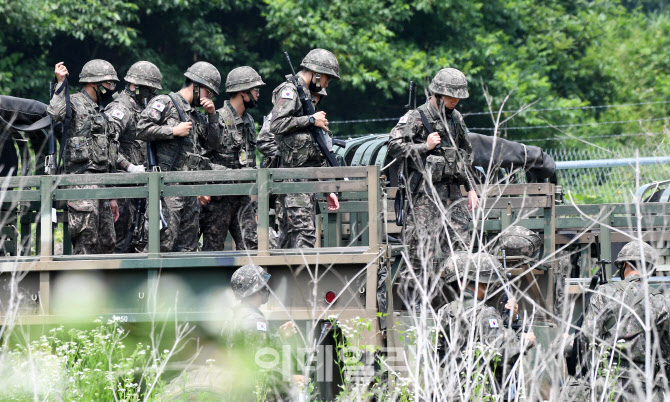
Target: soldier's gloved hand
[
  {"x": 135, "y": 168},
  {"x": 333, "y": 203},
  {"x": 433, "y": 140},
  {"x": 182, "y": 129},
  {"x": 287, "y": 330},
  {"x": 204, "y": 199},
  {"x": 61, "y": 72},
  {"x": 208, "y": 105},
  {"x": 115, "y": 210},
  {"x": 320, "y": 120}
]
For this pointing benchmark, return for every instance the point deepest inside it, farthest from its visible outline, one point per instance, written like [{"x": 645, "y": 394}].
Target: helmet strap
[
  {"x": 315, "y": 83},
  {"x": 251, "y": 103},
  {"x": 103, "y": 94}
]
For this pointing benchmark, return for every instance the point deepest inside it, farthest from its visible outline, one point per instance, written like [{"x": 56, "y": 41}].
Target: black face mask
[
  {"x": 251, "y": 103},
  {"x": 103, "y": 94},
  {"x": 448, "y": 111},
  {"x": 196, "y": 95},
  {"x": 265, "y": 295},
  {"x": 315, "y": 83},
  {"x": 144, "y": 94}
]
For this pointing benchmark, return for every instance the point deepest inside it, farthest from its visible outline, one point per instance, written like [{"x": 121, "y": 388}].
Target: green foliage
[{"x": 557, "y": 53}]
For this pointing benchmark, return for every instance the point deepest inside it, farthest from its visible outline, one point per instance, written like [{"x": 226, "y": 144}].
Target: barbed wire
[
  {"x": 567, "y": 125},
  {"x": 383, "y": 119},
  {"x": 590, "y": 137}
]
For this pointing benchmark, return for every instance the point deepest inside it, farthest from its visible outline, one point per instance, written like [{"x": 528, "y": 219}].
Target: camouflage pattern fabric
[
  {"x": 632, "y": 252},
  {"x": 248, "y": 279},
  {"x": 297, "y": 226},
  {"x": 437, "y": 223},
  {"x": 297, "y": 149},
  {"x": 267, "y": 143},
  {"x": 322, "y": 61},
  {"x": 611, "y": 320},
  {"x": 235, "y": 146},
  {"x": 123, "y": 113},
  {"x": 123, "y": 225},
  {"x": 90, "y": 145},
  {"x": 247, "y": 329},
  {"x": 457, "y": 319},
  {"x": 157, "y": 120},
  {"x": 450, "y": 82},
  {"x": 155, "y": 124},
  {"x": 291, "y": 127},
  {"x": 97, "y": 70},
  {"x": 519, "y": 241},
  {"x": 90, "y": 225},
  {"x": 235, "y": 214}
]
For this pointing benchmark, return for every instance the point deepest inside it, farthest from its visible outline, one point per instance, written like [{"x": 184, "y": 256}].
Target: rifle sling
[
  {"x": 181, "y": 139},
  {"x": 66, "y": 123}
]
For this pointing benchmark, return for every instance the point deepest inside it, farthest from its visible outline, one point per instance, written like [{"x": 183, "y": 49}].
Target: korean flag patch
[
  {"x": 287, "y": 94},
  {"x": 159, "y": 106},
  {"x": 261, "y": 326},
  {"x": 403, "y": 120},
  {"x": 117, "y": 114},
  {"x": 493, "y": 323}
]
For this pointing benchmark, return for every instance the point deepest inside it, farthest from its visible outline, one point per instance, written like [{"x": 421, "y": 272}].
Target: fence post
[
  {"x": 46, "y": 225},
  {"x": 263, "y": 180},
  {"x": 154, "y": 200}
]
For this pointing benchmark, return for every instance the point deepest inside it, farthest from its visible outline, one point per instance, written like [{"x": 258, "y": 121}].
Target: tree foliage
[{"x": 557, "y": 53}]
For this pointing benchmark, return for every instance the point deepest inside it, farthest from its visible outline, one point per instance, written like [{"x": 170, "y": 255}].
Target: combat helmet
[
  {"x": 519, "y": 241},
  {"x": 242, "y": 79},
  {"x": 631, "y": 253},
  {"x": 98, "y": 70},
  {"x": 248, "y": 280},
  {"x": 205, "y": 74},
  {"x": 144, "y": 73},
  {"x": 481, "y": 266},
  {"x": 450, "y": 82},
  {"x": 322, "y": 61}
]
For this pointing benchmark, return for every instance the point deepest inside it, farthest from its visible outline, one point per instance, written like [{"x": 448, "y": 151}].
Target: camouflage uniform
[
  {"x": 297, "y": 149},
  {"x": 90, "y": 148},
  {"x": 458, "y": 317},
  {"x": 180, "y": 153},
  {"x": 427, "y": 229},
  {"x": 234, "y": 149},
  {"x": 123, "y": 114},
  {"x": 249, "y": 328},
  {"x": 611, "y": 324}
]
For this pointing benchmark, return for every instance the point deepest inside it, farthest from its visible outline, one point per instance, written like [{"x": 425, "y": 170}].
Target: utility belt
[
  {"x": 197, "y": 162},
  {"x": 234, "y": 159},
  {"x": 298, "y": 150},
  {"x": 97, "y": 149},
  {"x": 447, "y": 166}
]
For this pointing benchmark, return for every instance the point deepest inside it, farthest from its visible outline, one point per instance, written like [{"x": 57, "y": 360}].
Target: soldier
[
  {"x": 88, "y": 148},
  {"x": 296, "y": 146},
  {"x": 432, "y": 144},
  {"x": 250, "y": 285},
  {"x": 175, "y": 128},
  {"x": 473, "y": 277},
  {"x": 234, "y": 149},
  {"x": 614, "y": 335},
  {"x": 142, "y": 81}
]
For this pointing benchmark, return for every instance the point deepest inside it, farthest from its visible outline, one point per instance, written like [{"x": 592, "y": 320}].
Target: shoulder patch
[
  {"x": 261, "y": 326},
  {"x": 493, "y": 323},
  {"x": 159, "y": 106},
  {"x": 287, "y": 94},
  {"x": 403, "y": 120},
  {"x": 118, "y": 114}
]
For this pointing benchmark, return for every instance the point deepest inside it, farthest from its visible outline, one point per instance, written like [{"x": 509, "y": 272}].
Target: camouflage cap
[
  {"x": 98, "y": 70},
  {"x": 633, "y": 251},
  {"x": 144, "y": 73},
  {"x": 481, "y": 266},
  {"x": 519, "y": 241},
  {"x": 249, "y": 279},
  {"x": 205, "y": 74},
  {"x": 450, "y": 82},
  {"x": 242, "y": 79},
  {"x": 322, "y": 61}
]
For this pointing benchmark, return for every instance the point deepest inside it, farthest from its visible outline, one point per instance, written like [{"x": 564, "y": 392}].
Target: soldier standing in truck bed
[{"x": 88, "y": 148}]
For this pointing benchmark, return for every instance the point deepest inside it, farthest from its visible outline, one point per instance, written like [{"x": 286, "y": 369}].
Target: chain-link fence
[{"x": 609, "y": 184}]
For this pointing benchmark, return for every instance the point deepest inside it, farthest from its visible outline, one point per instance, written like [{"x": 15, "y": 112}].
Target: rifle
[
  {"x": 66, "y": 123},
  {"x": 505, "y": 313},
  {"x": 49, "y": 161},
  {"x": 318, "y": 134},
  {"x": 153, "y": 167},
  {"x": 401, "y": 195},
  {"x": 599, "y": 278}
]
